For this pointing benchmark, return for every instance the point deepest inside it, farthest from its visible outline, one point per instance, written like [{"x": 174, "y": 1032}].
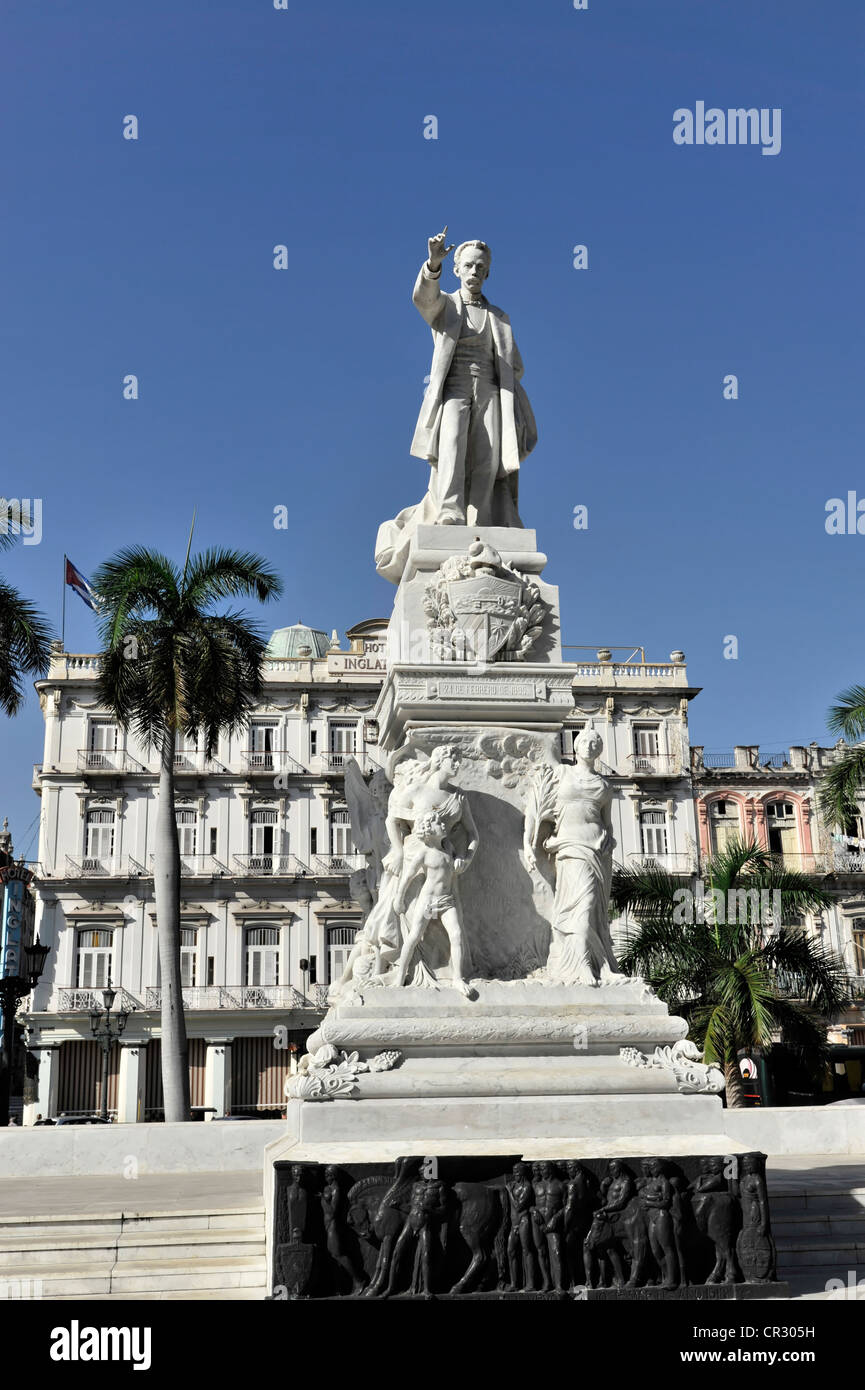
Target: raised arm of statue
[{"x": 428, "y": 297}]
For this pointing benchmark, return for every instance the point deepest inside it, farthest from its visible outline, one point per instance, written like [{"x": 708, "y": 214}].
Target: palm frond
[
  {"x": 838, "y": 795},
  {"x": 25, "y": 646},
  {"x": 220, "y": 573},
  {"x": 847, "y": 715}
]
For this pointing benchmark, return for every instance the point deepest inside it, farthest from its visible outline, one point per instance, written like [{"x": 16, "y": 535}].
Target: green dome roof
[{"x": 297, "y": 643}]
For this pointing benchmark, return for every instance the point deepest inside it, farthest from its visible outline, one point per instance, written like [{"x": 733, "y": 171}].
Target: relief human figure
[
  {"x": 579, "y": 1206},
  {"x": 715, "y": 1213},
  {"x": 475, "y": 425},
  {"x": 755, "y": 1246},
  {"x": 610, "y": 1233},
  {"x": 550, "y": 1208},
  {"x": 424, "y": 854},
  {"x": 656, "y": 1201},
  {"x": 577, "y": 801},
  {"x": 422, "y": 1229},
  {"x": 522, "y": 1236},
  {"x": 296, "y": 1200},
  {"x": 333, "y": 1209}
]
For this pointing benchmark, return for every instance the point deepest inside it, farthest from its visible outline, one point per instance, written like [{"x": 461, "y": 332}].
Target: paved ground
[
  {"x": 194, "y": 1191},
  {"x": 158, "y": 1192},
  {"x": 819, "y": 1173}
]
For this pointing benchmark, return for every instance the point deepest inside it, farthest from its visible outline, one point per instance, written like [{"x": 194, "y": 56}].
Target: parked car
[{"x": 81, "y": 1120}]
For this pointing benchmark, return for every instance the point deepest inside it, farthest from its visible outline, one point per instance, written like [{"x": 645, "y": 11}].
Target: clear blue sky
[{"x": 260, "y": 388}]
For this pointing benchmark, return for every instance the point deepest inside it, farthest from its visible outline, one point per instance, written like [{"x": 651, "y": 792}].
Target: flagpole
[{"x": 63, "y": 617}]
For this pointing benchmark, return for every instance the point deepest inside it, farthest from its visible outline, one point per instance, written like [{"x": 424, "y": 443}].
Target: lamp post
[
  {"x": 106, "y": 1028},
  {"x": 13, "y": 988}
]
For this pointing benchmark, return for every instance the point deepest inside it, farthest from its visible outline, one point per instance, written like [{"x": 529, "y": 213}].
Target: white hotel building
[{"x": 266, "y": 852}]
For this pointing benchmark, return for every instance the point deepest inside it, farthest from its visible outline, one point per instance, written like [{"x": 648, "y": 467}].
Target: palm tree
[
  {"x": 25, "y": 638},
  {"x": 169, "y": 666},
  {"x": 842, "y": 781},
  {"x": 737, "y": 975}
]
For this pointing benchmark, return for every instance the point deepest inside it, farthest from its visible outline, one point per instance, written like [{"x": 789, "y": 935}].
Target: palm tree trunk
[
  {"x": 166, "y": 882},
  {"x": 735, "y": 1083}
]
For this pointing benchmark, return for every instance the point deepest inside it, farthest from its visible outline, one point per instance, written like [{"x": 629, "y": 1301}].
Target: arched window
[
  {"x": 262, "y": 838},
  {"x": 340, "y": 833},
  {"x": 262, "y": 956},
  {"x": 724, "y": 824},
  {"x": 339, "y": 943},
  {"x": 99, "y": 839},
  {"x": 781, "y": 827},
  {"x": 653, "y": 832},
  {"x": 187, "y": 830}
]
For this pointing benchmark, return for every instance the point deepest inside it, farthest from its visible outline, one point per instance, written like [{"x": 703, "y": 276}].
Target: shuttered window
[
  {"x": 262, "y": 956},
  {"x": 93, "y": 965}
]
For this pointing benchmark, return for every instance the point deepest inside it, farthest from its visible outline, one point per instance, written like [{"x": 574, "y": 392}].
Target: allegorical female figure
[{"x": 577, "y": 803}]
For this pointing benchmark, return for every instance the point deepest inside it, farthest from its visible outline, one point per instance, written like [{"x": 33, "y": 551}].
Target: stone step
[
  {"x": 809, "y": 1281},
  {"x": 51, "y": 1228},
  {"x": 93, "y": 1250},
  {"x": 147, "y": 1276},
  {"x": 783, "y": 1201},
  {"x": 835, "y": 1252},
  {"x": 253, "y": 1294},
  {"x": 798, "y": 1230}
]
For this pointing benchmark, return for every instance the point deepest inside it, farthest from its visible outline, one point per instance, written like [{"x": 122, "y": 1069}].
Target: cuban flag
[{"x": 75, "y": 579}]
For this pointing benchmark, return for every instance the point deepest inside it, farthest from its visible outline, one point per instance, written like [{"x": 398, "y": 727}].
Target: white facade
[{"x": 267, "y": 855}]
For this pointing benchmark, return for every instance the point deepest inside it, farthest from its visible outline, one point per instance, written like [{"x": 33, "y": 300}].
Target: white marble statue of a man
[{"x": 475, "y": 424}]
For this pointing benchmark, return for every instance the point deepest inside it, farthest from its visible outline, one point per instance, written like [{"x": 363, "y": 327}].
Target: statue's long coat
[{"x": 444, "y": 313}]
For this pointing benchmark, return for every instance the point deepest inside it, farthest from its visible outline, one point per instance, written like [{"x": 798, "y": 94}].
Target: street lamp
[
  {"x": 106, "y": 1028},
  {"x": 13, "y": 988}
]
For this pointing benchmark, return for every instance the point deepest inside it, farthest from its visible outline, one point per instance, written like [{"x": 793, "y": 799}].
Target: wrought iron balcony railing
[
  {"x": 253, "y": 865},
  {"x": 194, "y": 761},
  {"x": 200, "y": 997},
  {"x": 337, "y": 864},
  {"x": 653, "y": 765},
  {"x": 199, "y": 866},
  {"x": 90, "y": 866},
  {"x": 71, "y": 999},
  {"x": 848, "y": 861},
  {"x": 680, "y": 862},
  {"x": 336, "y": 761},
  {"x": 266, "y": 761},
  {"x": 100, "y": 760}
]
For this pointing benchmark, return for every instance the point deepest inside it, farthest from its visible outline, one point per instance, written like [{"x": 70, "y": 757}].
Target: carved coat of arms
[{"x": 480, "y": 609}]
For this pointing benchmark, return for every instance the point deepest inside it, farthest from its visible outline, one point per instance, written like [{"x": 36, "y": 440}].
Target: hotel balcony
[
  {"x": 337, "y": 865},
  {"x": 195, "y": 762},
  {"x": 653, "y": 765},
  {"x": 112, "y": 867},
  {"x": 71, "y": 999},
  {"x": 199, "y": 866},
  {"x": 335, "y": 762},
  {"x": 234, "y": 997},
  {"x": 680, "y": 862},
  {"x": 267, "y": 762},
  {"x": 96, "y": 760},
  {"x": 271, "y": 865}
]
